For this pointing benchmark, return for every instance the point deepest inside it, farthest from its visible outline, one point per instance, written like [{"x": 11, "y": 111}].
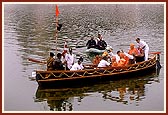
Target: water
[{"x": 29, "y": 31}]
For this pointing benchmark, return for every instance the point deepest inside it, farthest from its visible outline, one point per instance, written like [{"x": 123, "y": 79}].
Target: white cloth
[
  {"x": 103, "y": 63},
  {"x": 117, "y": 58},
  {"x": 70, "y": 60},
  {"x": 141, "y": 44},
  {"x": 129, "y": 56},
  {"x": 111, "y": 54},
  {"x": 76, "y": 66}
]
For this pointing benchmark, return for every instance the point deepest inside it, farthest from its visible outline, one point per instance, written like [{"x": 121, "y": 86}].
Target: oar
[
  {"x": 37, "y": 61},
  {"x": 155, "y": 53}
]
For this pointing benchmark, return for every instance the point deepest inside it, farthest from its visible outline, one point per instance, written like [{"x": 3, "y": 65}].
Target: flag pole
[{"x": 56, "y": 33}]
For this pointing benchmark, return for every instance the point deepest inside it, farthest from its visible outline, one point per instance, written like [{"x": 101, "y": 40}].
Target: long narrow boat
[{"x": 92, "y": 74}]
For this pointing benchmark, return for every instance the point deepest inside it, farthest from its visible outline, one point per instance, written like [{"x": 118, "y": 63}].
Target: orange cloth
[
  {"x": 133, "y": 51},
  {"x": 113, "y": 61},
  {"x": 114, "y": 64},
  {"x": 96, "y": 60},
  {"x": 122, "y": 62},
  {"x": 127, "y": 60}
]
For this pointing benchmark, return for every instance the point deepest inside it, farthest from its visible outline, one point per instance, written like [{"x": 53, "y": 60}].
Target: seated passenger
[
  {"x": 58, "y": 65},
  {"x": 91, "y": 43},
  {"x": 96, "y": 60},
  {"x": 132, "y": 50},
  {"x": 78, "y": 65},
  {"x": 114, "y": 62},
  {"x": 123, "y": 61},
  {"x": 103, "y": 62},
  {"x": 50, "y": 61},
  {"x": 117, "y": 56}
]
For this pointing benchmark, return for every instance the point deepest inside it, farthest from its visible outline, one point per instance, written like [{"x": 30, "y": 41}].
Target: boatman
[
  {"x": 144, "y": 46},
  {"x": 101, "y": 44},
  {"x": 91, "y": 43}
]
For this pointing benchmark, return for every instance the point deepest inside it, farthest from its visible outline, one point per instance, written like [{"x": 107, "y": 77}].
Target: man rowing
[
  {"x": 91, "y": 43},
  {"x": 101, "y": 44},
  {"x": 144, "y": 46}
]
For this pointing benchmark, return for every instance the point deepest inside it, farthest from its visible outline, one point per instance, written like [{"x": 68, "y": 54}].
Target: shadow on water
[{"x": 120, "y": 91}]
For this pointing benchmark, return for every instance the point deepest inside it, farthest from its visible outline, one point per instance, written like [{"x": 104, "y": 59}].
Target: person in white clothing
[
  {"x": 78, "y": 65},
  {"x": 69, "y": 59},
  {"x": 117, "y": 56},
  {"x": 103, "y": 62},
  {"x": 144, "y": 46}
]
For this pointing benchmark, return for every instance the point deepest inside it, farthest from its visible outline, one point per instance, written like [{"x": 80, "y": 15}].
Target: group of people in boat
[
  {"x": 66, "y": 60},
  {"x": 121, "y": 58},
  {"x": 98, "y": 44}
]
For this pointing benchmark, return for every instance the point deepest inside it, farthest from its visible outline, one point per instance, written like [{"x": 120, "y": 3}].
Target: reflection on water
[{"x": 128, "y": 91}]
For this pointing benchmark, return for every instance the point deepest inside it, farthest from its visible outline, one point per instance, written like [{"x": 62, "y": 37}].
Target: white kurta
[
  {"x": 70, "y": 60},
  {"x": 76, "y": 66},
  {"x": 141, "y": 44},
  {"x": 103, "y": 63},
  {"x": 117, "y": 58}
]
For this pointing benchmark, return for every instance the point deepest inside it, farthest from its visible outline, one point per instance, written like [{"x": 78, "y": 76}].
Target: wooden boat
[
  {"x": 91, "y": 74},
  {"x": 96, "y": 51}
]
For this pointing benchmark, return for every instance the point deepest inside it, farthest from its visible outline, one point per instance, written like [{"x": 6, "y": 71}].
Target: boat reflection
[{"x": 127, "y": 91}]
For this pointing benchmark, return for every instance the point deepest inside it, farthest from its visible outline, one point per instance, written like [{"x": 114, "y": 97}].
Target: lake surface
[{"x": 29, "y": 32}]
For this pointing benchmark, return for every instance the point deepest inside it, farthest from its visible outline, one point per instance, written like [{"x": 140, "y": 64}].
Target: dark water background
[{"x": 29, "y": 31}]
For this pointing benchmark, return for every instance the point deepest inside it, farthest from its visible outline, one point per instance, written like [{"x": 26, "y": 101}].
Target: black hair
[
  {"x": 118, "y": 52},
  {"x": 81, "y": 59},
  {"x": 138, "y": 39},
  {"x": 52, "y": 54},
  {"x": 59, "y": 55}
]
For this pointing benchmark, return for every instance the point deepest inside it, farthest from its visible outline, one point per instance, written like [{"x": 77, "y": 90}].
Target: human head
[
  {"x": 92, "y": 37},
  {"x": 59, "y": 55},
  {"x": 97, "y": 56},
  {"x": 132, "y": 46},
  {"x": 113, "y": 58},
  {"x": 118, "y": 53},
  {"x": 99, "y": 36},
  {"x": 70, "y": 50},
  {"x": 81, "y": 59},
  {"x": 137, "y": 40},
  {"x": 105, "y": 54},
  {"x": 104, "y": 57},
  {"x": 52, "y": 54}
]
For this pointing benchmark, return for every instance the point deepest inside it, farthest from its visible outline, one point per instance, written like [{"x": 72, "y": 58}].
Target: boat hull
[
  {"x": 94, "y": 51},
  {"x": 91, "y": 76}
]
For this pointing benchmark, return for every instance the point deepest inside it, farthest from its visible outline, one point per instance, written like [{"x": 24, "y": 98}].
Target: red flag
[{"x": 57, "y": 11}]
